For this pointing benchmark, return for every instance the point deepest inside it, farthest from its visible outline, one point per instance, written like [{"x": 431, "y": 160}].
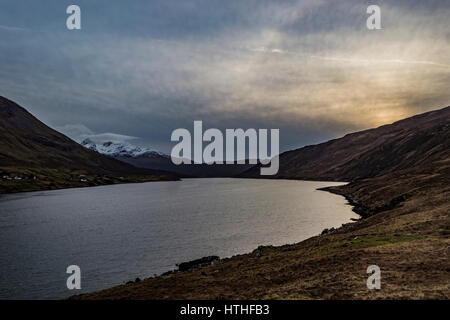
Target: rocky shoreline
[{"x": 358, "y": 208}]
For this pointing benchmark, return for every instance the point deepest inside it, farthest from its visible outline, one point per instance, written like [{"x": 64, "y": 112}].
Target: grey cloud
[{"x": 310, "y": 68}]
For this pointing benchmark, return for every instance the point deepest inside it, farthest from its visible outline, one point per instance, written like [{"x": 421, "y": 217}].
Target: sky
[{"x": 137, "y": 70}]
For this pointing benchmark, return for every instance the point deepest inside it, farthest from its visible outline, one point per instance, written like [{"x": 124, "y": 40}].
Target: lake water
[{"x": 119, "y": 232}]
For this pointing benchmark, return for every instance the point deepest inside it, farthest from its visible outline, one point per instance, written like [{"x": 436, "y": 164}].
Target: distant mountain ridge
[
  {"x": 415, "y": 142},
  {"x": 146, "y": 158},
  {"x": 31, "y": 150}
]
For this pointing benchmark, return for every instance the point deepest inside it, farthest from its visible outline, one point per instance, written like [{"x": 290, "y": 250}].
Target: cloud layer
[{"x": 310, "y": 68}]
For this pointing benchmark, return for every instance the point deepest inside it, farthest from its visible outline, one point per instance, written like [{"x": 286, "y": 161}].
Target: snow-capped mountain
[
  {"x": 150, "y": 159},
  {"x": 122, "y": 149}
]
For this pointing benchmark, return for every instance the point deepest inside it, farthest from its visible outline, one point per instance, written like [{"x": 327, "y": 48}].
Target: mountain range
[
  {"x": 42, "y": 158},
  {"x": 147, "y": 158},
  {"x": 33, "y": 156}
]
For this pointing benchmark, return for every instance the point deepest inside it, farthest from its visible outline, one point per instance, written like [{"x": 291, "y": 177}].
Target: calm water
[{"x": 120, "y": 232}]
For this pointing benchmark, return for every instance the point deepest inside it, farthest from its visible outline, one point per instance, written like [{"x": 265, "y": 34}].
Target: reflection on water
[{"x": 120, "y": 232}]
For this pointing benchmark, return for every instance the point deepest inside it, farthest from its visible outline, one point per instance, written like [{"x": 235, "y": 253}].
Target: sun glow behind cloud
[{"x": 310, "y": 68}]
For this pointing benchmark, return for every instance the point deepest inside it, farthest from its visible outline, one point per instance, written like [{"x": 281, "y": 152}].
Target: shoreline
[
  {"x": 403, "y": 229},
  {"x": 77, "y": 185},
  {"x": 357, "y": 208},
  {"x": 199, "y": 262}
]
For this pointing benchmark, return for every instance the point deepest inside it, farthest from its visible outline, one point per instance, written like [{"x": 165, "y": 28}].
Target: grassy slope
[{"x": 415, "y": 141}]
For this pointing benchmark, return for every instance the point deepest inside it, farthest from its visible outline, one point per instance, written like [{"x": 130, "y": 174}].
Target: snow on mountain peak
[{"x": 124, "y": 149}]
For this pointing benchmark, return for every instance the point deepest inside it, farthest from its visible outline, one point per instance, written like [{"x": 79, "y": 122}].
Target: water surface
[{"x": 119, "y": 232}]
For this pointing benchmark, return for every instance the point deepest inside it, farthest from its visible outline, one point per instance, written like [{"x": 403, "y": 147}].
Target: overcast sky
[{"x": 137, "y": 70}]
